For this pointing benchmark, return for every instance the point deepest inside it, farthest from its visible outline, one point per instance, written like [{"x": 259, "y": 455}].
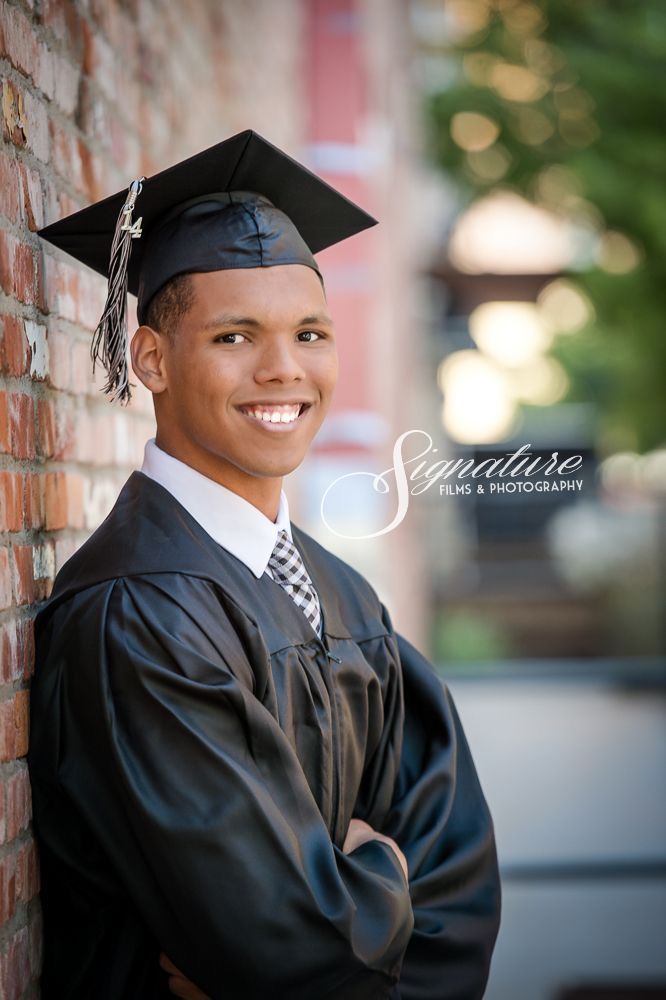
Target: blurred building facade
[{"x": 548, "y": 607}]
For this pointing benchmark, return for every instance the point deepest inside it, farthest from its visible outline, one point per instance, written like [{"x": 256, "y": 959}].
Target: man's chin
[{"x": 274, "y": 470}]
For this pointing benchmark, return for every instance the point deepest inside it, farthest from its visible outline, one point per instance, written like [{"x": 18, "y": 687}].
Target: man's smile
[{"x": 275, "y": 416}]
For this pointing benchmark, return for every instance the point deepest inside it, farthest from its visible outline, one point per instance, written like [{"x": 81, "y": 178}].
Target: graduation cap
[{"x": 240, "y": 203}]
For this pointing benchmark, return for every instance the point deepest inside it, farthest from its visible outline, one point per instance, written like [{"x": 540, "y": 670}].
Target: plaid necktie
[{"x": 288, "y": 570}]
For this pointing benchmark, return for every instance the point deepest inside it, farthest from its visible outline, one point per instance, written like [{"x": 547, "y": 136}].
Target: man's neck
[{"x": 262, "y": 492}]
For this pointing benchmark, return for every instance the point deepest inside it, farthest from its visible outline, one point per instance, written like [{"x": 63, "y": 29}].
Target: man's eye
[
  {"x": 223, "y": 339},
  {"x": 310, "y": 334}
]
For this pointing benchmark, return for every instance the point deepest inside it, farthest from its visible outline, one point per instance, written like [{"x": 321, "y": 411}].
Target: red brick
[
  {"x": 49, "y": 70},
  {"x": 4, "y": 423},
  {"x": 24, "y": 582},
  {"x": 43, "y": 562},
  {"x": 62, "y": 18},
  {"x": 15, "y": 971},
  {"x": 14, "y": 124},
  {"x": 9, "y": 187},
  {"x": 18, "y": 803},
  {"x": 62, "y": 286},
  {"x": 68, "y": 205},
  {"x": 29, "y": 280},
  {"x": 21, "y": 408},
  {"x": 22, "y": 721},
  {"x": 101, "y": 62},
  {"x": 14, "y": 348},
  {"x": 26, "y": 872},
  {"x": 8, "y": 646},
  {"x": 18, "y": 41},
  {"x": 53, "y": 17},
  {"x": 24, "y": 273},
  {"x": 91, "y": 299},
  {"x": 70, "y": 433},
  {"x": 43, "y": 72},
  {"x": 88, "y": 54},
  {"x": 55, "y": 501},
  {"x": 81, "y": 372},
  {"x": 87, "y": 445},
  {"x": 66, "y": 155},
  {"x": 7, "y": 244},
  {"x": 52, "y": 201},
  {"x": 93, "y": 112},
  {"x": 66, "y": 83},
  {"x": 5, "y": 579},
  {"x": 59, "y": 358},
  {"x": 25, "y": 120},
  {"x": 103, "y": 16},
  {"x": 20, "y": 271},
  {"x": 34, "y": 501},
  {"x": 46, "y": 425},
  {"x": 25, "y": 649},
  {"x": 32, "y": 203},
  {"x": 64, "y": 549},
  {"x": 36, "y": 128},
  {"x": 7, "y": 886},
  {"x": 74, "y": 488},
  {"x": 11, "y": 501},
  {"x": 14, "y": 723},
  {"x": 17, "y": 650},
  {"x": 89, "y": 172}
]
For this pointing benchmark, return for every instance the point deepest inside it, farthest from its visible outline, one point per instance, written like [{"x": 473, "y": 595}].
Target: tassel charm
[{"x": 109, "y": 345}]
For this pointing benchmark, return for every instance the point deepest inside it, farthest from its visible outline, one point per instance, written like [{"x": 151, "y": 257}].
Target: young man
[{"x": 245, "y": 783}]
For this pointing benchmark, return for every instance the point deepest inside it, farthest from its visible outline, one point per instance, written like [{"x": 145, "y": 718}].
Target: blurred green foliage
[
  {"x": 465, "y": 636},
  {"x": 576, "y": 89}
]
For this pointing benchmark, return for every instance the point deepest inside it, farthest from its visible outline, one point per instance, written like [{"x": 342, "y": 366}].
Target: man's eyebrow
[
  {"x": 322, "y": 318},
  {"x": 231, "y": 319}
]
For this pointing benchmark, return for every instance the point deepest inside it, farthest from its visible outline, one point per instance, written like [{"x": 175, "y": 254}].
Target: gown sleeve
[
  {"x": 440, "y": 819},
  {"x": 200, "y": 802}
]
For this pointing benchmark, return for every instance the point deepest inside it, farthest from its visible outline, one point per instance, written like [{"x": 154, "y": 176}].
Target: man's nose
[{"x": 279, "y": 361}]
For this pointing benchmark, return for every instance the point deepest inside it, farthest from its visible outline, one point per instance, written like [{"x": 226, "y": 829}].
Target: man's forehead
[{"x": 283, "y": 288}]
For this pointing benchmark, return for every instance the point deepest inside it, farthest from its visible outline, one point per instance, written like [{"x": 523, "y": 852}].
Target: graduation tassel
[{"x": 109, "y": 343}]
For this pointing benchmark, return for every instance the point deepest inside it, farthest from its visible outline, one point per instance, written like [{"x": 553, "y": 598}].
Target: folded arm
[{"x": 441, "y": 821}]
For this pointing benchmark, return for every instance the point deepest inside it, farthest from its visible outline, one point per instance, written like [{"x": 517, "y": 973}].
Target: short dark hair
[{"x": 169, "y": 304}]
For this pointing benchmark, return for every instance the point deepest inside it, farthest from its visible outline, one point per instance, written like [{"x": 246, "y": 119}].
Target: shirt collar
[{"x": 233, "y": 522}]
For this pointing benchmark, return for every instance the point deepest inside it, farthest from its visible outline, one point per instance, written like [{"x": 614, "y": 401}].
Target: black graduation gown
[{"x": 196, "y": 755}]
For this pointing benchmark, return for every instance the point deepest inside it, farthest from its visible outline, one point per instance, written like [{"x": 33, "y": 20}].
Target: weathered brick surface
[{"x": 92, "y": 94}]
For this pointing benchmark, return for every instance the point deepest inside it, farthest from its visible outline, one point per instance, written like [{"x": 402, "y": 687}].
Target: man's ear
[{"x": 147, "y": 352}]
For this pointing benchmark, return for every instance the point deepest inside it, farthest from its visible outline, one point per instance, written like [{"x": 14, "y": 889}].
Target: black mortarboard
[{"x": 240, "y": 203}]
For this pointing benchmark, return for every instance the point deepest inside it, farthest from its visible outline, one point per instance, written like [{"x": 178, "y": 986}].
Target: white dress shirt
[{"x": 233, "y": 522}]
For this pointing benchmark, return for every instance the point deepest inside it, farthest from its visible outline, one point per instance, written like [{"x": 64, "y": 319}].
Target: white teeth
[{"x": 285, "y": 414}]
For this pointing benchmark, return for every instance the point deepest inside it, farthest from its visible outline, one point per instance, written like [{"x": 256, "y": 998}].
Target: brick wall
[{"x": 93, "y": 93}]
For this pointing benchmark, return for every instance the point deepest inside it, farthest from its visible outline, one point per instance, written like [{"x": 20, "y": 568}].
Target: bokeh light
[
  {"x": 473, "y": 132},
  {"x": 617, "y": 254},
  {"x": 564, "y": 306},
  {"x": 478, "y": 405},
  {"x": 512, "y": 333},
  {"x": 504, "y": 234},
  {"x": 541, "y": 383}
]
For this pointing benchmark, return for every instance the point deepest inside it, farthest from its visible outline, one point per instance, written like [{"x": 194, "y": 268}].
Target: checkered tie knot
[{"x": 289, "y": 571}]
